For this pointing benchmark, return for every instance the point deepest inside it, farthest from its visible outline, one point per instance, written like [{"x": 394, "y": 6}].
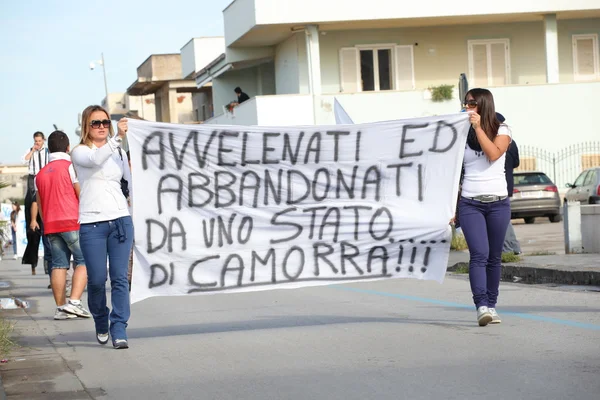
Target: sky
[{"x": 46, "y": 47}]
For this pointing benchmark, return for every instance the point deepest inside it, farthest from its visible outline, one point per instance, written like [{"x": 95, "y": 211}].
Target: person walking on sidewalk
[
  {"x": 58, "y": 200},
  {"x": 106, "y": 226},
  {"x": 14, "y": 214},
  {"x": 36, "y": 158},
  {"x": 484, "y": 206}
]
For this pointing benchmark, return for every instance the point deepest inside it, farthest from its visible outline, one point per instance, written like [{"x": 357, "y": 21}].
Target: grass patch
[
  {"x": 542, "y": 253},
  {"x": 6, "y": 344},
  {"x": 510, "y": 258},
  {"x": 462, "y": 268},
  {"x": 458, "y": 241}
]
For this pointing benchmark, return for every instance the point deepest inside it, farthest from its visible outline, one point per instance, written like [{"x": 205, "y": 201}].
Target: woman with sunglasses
[
  {"x": 484, "y": 206},
  {"x": 106, "y": 227}
]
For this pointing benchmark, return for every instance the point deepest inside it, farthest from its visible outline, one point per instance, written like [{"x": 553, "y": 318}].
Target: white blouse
[
  {"x": 483, "y": 176},
  {"x": 99, "y": 171}
]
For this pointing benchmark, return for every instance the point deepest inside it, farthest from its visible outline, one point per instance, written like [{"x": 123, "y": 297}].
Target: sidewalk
[{"x": 36, "y": 369}]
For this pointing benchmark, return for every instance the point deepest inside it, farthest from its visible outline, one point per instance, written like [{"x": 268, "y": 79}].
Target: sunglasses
[
  {"x": 470, "y": 104},
  {"x": 96, "y": 123}
]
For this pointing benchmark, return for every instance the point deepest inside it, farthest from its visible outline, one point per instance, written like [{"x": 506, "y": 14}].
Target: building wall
[
  {"x": 13, "y": 175},
  {"x": 223, "y": 86},
  {"x": 265, "y": 76},
  {"x": 287, "y": 78},
  {"x": 441, "y": 53},
  {"x": 181, "y": 108},
  {"x": 199, "y": 52},
  {"x": 566, "y": 29},
  {"x": 144, "y": 105},
  {"x": 200, "y": 101},
  {"x": 160, "y": 67}
]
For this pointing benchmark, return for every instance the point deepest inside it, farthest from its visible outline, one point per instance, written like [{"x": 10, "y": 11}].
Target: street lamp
[{"x": 101, "y": 62}]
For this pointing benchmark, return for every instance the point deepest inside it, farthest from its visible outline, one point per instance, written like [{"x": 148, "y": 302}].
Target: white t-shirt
[{"x": 483, "y": 176}]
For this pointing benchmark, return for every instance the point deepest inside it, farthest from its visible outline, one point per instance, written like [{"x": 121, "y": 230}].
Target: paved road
[
  {"x": 385, "y": 340},
  {"x": 540, "y": 237}
]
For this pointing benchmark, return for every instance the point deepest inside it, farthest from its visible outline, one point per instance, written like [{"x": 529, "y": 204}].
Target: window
[
  {"x": 531, "y": 179},
  {"x": 585, "y": 57},
  {"x": 590, "y": 178},
  {"x": 489, "y": 62},
  {"x": 376, "y": 68},
  {"x": 580, "y": 179}
]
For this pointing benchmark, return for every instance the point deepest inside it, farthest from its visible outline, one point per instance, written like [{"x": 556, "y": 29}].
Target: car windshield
[{"x": 535, "y": 178}]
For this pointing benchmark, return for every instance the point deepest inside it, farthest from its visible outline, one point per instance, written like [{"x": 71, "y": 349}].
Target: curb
[
  {"x": 534, "y": 275},
  {"x": 531, "y": 274}
]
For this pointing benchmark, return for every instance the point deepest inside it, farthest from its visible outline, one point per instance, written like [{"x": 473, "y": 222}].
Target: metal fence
[{"x": 562, "y": 166}]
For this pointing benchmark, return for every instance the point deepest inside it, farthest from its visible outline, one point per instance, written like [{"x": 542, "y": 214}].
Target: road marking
[{"x": 531, "y": 317}]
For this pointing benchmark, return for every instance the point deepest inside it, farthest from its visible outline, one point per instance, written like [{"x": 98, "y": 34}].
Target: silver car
[
  {"x": 534, "y": 195},
  {"x": 586, "y": 188}
]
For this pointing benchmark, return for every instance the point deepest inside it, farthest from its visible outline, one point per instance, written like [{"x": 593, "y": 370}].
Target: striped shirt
[{"x": 38, "y": 160}]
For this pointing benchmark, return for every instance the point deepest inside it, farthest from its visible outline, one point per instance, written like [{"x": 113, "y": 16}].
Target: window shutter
[
  {"x": 479, "y": 66},
  {"x": 405, "y": 76},
  {"x": 499, "y": 64},
  {"x": 585, "y": 57},
  {"x": 349, "y": 71}
]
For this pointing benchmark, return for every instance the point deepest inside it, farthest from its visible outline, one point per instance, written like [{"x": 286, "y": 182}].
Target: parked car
[
  {"x": 586, "y": 188},
  {"x": 534, "y": 195}
]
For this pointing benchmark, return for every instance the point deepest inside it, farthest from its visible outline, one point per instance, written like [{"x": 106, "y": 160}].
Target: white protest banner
[
  {"x": 237, "y": 208},
  {"x": 341, "y": 116}
]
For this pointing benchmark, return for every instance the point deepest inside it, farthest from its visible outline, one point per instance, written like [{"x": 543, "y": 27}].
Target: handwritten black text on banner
[{"x": 225, "y": 208}]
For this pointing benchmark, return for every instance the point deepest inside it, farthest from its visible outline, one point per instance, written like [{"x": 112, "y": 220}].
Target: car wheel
[
  {"x": 529, "y": 220},
  {"x": 555, "y": 218}
]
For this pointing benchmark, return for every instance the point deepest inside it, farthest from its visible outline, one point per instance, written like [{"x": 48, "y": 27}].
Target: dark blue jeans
[
  {"x": 99, "y": 240},
  {"x": 484, "y": 226},
  {"x": 14, "y": 240}
]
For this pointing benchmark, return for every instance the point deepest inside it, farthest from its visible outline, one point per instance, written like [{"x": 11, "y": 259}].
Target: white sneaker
[
  {"x": 15, "y": 257},
  {"x": 495, "y": 317},
  {"x": 59, "y": 314},
  {"x": 76, "y": 309},
  {"x": 484, "y": 316}
]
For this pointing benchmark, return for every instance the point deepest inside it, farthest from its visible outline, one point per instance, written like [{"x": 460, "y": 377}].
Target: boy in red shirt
[{"x": 58, "y": 204}]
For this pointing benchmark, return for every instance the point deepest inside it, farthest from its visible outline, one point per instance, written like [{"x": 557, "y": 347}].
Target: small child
[{"x": 58, "y": 199}]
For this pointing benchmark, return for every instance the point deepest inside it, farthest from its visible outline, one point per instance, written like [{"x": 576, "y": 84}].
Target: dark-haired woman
[{"x": 484, "y": 206}]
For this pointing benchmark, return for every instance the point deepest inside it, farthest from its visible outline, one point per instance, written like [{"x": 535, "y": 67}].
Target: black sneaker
[{"x": 120, "y": 344}]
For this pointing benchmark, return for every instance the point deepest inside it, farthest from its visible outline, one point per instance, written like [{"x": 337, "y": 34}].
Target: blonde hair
[{"x": 86, "y": 119}]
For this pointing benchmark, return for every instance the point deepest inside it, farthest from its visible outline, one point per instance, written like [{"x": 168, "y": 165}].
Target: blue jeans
[
  {"x": 63, "y": 245},
  {"x": 14, "y": 240},
  {"x": 484, "y": 226},
  {"x": 97, "y": 240}
]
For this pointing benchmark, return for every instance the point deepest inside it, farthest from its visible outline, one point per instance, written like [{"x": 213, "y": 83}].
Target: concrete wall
[
  {"x": 200, "y": 100},
  {"x": 181, "y": 107},
  {"x": 590, "y": 228},
  {"x": 13, "y": 175},
  {"x": 160, "y": 67},
  {"x": 223, "y": 86},
  {"x": 265, "y": 76},
  {"x": 199, "y": 52},
  {"x": 144, "y": 105},
  {"x": 287, "y": 78}
]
